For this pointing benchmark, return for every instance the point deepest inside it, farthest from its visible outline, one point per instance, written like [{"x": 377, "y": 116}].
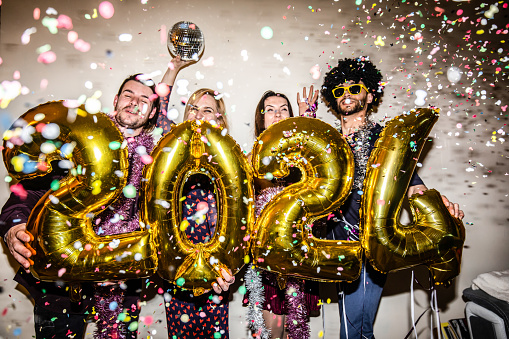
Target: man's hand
[
  {"x": 223, "y": 285},
  {"x": 17, "y": 239},
  {"x": 454, "y": 209}
]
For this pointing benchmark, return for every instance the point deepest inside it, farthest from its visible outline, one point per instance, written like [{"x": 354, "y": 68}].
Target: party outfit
[
  {"x": 358, "y": 300},
  {"x": 205, "y": 316},
  {"x": 56, "y": 314},
  {"x": 189, "y": 316},
  {"x": 262, "y": 289}
]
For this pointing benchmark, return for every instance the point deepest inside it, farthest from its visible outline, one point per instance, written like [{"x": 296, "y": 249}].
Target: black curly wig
[{"x": 359, "y": 69}]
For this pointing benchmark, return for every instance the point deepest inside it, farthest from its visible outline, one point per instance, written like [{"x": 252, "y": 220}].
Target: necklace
[{"x": 360, "y": 145}]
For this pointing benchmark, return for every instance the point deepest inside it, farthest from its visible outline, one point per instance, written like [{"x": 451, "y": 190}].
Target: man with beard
[
  {"x": 351, "y": 90},
  {"x": 56, "y": 315}
]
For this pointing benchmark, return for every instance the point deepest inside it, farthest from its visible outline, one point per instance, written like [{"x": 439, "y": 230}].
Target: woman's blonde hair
[{"x": 221, "y": 109}]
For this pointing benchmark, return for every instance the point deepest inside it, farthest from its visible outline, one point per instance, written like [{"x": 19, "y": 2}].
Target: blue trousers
[{"x": 358, "y": 303}]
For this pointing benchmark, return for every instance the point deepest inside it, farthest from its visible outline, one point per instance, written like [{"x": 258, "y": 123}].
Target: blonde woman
[{"x": 204, "y": 316}]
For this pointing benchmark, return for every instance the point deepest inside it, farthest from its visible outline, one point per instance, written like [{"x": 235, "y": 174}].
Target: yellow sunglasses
[{"x": 339, "y": 91}]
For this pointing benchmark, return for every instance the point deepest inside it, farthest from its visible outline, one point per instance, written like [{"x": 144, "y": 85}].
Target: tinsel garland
[
  {"x": 108, "y": 305},
  {"x": 119, "y": 218},
  {"x": 297, "y": 317},
  {"x": 254, "y": 316},
  {"x": 359, "y": 143},
  {"x": 311, "y": 110}
]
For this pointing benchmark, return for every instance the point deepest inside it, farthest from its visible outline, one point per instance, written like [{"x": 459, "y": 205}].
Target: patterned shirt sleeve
[{"x": 163, "y": 121}]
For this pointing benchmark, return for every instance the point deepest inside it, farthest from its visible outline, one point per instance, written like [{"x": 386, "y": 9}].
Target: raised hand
[{"x": 308, "y": 106}]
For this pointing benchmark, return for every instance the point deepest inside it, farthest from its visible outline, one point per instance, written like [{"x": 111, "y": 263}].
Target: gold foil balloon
[
  {"x": 198, "y": 147},
  {"x": 283, "y": 244},
  {"x": 90, "y": 147},
  {"x": 186, "y": 40},
  {"x": 435, "y": 238}
]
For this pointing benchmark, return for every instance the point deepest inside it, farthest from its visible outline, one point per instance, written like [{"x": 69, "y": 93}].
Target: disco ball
[{"x": 186, "y": 39}]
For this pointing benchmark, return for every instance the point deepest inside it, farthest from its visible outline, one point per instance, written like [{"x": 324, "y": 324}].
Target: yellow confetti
[
  {"x": 96, "y": 187},
  {"x": 379, "y": 41},
  {"x": 184, "y": 224}
]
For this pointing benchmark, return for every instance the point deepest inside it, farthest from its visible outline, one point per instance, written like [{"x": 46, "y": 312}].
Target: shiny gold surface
[
  {"x": 61, "y": 221},
  {"x": 198, "y": 147},
  {"x": 282, "y": 243},
  {"x": 434, "y": 238}
]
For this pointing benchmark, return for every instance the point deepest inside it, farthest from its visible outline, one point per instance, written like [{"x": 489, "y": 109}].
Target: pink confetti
[
  {"x": 202, "y": 205},
  {"x": 380, "y": 202},
  {"x": 160, "y": 290},
  {"x": 459, "y": 12},
  {"x": 72, "y": 36},
  {"x": 44, "y": 84},
  {"x": 37, "y": 13},
  {"x": 106, "y": 9},
  {"x": 82, "y": 46},
  {"x": 19, "y": 190},
  {"x": 146, "y": 159},
  {"x": 162, "y": 89},
  {"x": 64, "y": 22},
  {"x": 439, "y": 10},
  {"x": 162, "y": 34},
  {"x": 61, "y": 272},
  {"x": 47, "y": 57},
  {"x": 16, "y": 75},
  {"x": 88, "y": 247},
  {"x": 148, "y": 320},
  {"x": 153, "y": 97},
  {"x": 208, "y": 62}
]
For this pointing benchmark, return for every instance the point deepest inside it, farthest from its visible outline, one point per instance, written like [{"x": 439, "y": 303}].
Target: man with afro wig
[{"x": 353, "y": 91}]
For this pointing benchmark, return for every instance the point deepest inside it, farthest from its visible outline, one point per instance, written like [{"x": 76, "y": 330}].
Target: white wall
[{"x": 463, "y": 161}]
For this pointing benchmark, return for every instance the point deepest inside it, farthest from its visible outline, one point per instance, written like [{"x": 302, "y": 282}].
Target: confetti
[
  {"x": 267, "y": 32},
  {"x": 106, "y": 9}
]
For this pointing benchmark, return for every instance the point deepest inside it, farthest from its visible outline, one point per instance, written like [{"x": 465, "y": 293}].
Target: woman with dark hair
[{"x": 269, "y": 320}]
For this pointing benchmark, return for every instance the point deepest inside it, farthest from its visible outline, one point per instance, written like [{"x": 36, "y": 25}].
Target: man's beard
[
  {"x": 356, "y": 108},
  {"x": 122, "y": 121}
]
